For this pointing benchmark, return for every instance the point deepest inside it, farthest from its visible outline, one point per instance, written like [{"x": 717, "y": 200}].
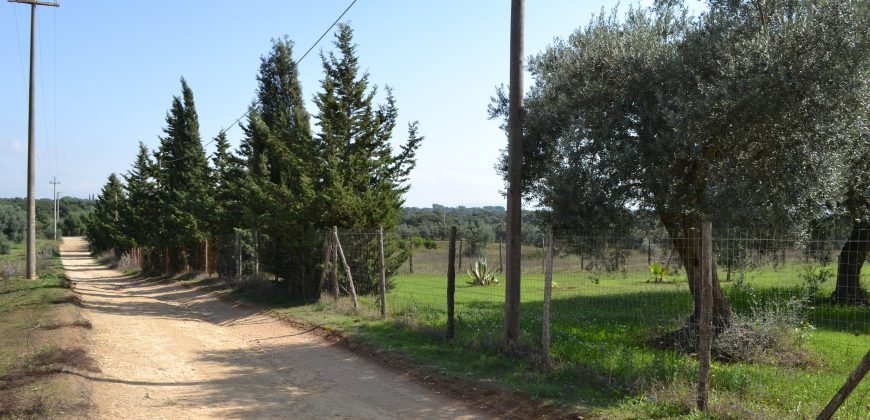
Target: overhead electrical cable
[{"x": 296, "y": 63}]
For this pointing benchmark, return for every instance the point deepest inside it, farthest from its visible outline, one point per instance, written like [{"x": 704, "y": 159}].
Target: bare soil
[{"x": 166, "y": 351}]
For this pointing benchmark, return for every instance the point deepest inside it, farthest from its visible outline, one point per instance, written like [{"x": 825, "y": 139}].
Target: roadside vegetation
[
  {"x": 606, "y": 361},
  {"x": 752, "y": 116},
  {"x": 41, "y": 335}
]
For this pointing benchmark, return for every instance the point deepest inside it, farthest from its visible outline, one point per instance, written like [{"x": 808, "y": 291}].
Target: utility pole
[
  {"x": 31, "y": 140},
  {"x": 54, "y": 182},
  {"x": 514, "y": 190}
]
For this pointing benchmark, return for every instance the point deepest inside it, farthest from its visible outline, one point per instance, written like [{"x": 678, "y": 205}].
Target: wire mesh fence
[
  {"x": 624, "y": 305},
  {"x": 635, "y": 278}
]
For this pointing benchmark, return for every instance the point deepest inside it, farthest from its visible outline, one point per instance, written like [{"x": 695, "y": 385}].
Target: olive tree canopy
[{"x": 733, "y": 116}]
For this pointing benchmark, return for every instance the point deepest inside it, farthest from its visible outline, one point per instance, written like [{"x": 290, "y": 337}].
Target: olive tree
[{"x": 731, "y": 116}]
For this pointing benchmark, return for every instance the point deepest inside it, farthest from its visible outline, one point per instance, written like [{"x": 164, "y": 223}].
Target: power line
[
  {"x": 296, "y": 63},
  {"x": 326, "y": 31},
  {"x": 20, "y": 54}
]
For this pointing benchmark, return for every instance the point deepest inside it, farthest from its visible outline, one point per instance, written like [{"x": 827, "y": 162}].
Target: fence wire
[{"x": 623, "y": 304}]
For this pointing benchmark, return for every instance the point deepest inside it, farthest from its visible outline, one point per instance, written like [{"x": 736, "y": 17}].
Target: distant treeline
[
  {"x": 435, "y": 222},
  {"x": 71, "y": 219}
]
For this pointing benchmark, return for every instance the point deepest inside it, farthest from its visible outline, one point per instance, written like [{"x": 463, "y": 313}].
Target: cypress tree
[
  {"x": 140, "y": 221},
  {"x": 182, "y": 176},
  {"x": 104, "y": 228},
  {"x": 279, "y": 154},
  {"x": 361, "y": 181}
]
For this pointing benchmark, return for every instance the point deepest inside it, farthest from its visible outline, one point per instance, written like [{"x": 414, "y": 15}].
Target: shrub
[
  {"x": 773, "y": 332},
  {"x": 481, "y": 274},
  {"x": 4, "y": 244},
  {"x": 658, "y": 271}
]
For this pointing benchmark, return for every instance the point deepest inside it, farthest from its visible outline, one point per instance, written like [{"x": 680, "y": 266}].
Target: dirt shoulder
[
  {"x": 43, "y": 335},
  {"x": 169, "y": 351}
]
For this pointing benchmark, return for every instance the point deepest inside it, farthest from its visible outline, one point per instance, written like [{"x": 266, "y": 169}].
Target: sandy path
[{"x": 170, "y": 352}]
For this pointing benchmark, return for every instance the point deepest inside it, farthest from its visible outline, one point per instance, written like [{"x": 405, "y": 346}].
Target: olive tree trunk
[
  {"x": 687, "y": 242},
  {"x": 849, "y": 263}
]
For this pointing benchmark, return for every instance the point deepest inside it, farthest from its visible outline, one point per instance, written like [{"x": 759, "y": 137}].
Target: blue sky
[{"x": 107, "y": 71}]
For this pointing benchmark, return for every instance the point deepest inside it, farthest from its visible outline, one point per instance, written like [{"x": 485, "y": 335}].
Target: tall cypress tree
[
  {"x": 279, "y": 153},
  {"x": 362, "y": 181},
  {"x": 182, "y": 176},
  {"x": 104, "y": 228},
  {"x": 139, "y": 221}
]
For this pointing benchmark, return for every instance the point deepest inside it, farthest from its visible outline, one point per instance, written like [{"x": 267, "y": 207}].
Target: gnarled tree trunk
[
  {"x": 852, "y": 257},
  {"x": 687, "y": 242}
]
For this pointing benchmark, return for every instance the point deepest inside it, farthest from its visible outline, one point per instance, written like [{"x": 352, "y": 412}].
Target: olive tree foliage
[{"x": 733, "y": 116}]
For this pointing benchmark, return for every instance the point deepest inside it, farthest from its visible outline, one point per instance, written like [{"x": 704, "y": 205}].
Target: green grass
[
  {"x": 25, "y": 306},
  {"x": 602, "y": 324}
]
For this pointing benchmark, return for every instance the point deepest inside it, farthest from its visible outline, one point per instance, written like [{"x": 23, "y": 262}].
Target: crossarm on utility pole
[{"x": 36, "y": 3}]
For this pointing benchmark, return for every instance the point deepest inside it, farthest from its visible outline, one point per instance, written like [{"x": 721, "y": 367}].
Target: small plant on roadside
[{"x": 481, "y": 274}]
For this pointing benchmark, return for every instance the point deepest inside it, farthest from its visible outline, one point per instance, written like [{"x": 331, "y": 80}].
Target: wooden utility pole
[
  {"x": 54, "y": 182},
  {"x": 31, "y": 141},
  {"x": 514, "y": 187}
]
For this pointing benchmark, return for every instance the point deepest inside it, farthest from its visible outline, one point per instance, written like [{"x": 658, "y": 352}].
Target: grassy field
[
  {"x": 36, "y": 341},
  {"x": 602, "y": 327}
]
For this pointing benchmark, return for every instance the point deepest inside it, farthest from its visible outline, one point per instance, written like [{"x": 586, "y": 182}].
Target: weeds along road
[{"x": 167, "y": 351}]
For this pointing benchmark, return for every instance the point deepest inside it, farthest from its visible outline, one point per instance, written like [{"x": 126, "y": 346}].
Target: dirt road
[{"x": 166, "y": 351}]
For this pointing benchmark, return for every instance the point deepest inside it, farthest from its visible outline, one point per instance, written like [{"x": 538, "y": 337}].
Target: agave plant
[{"x": 481, "y": 274}]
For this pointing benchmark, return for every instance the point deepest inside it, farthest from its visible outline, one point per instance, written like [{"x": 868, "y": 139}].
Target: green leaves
[{"x": 481, "y": 274}]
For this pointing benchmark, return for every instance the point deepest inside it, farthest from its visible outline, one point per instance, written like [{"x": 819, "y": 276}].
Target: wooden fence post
[
  {"x": 705, "y": 326},
  {"x": 336, "y": 290},
  {"x": 500, "y": 262},
  {"x": 257, "y": 255},
  {"x": 411, "y": 256},
  {"x": 451, "y": 284},
  {"x": 346, "y": 267},
  {"x": 327, "y": 251},
  {"x": 383, "y": 273},
  {"x": 854, "y": 379},
  {"x": 460, "y": 254},
  {"x": 548, "y": 291},
  {"x": 238, "y": 257}
]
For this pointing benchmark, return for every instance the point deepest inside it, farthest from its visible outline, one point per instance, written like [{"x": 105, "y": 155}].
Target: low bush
[{"x": 773, "y": 332}]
